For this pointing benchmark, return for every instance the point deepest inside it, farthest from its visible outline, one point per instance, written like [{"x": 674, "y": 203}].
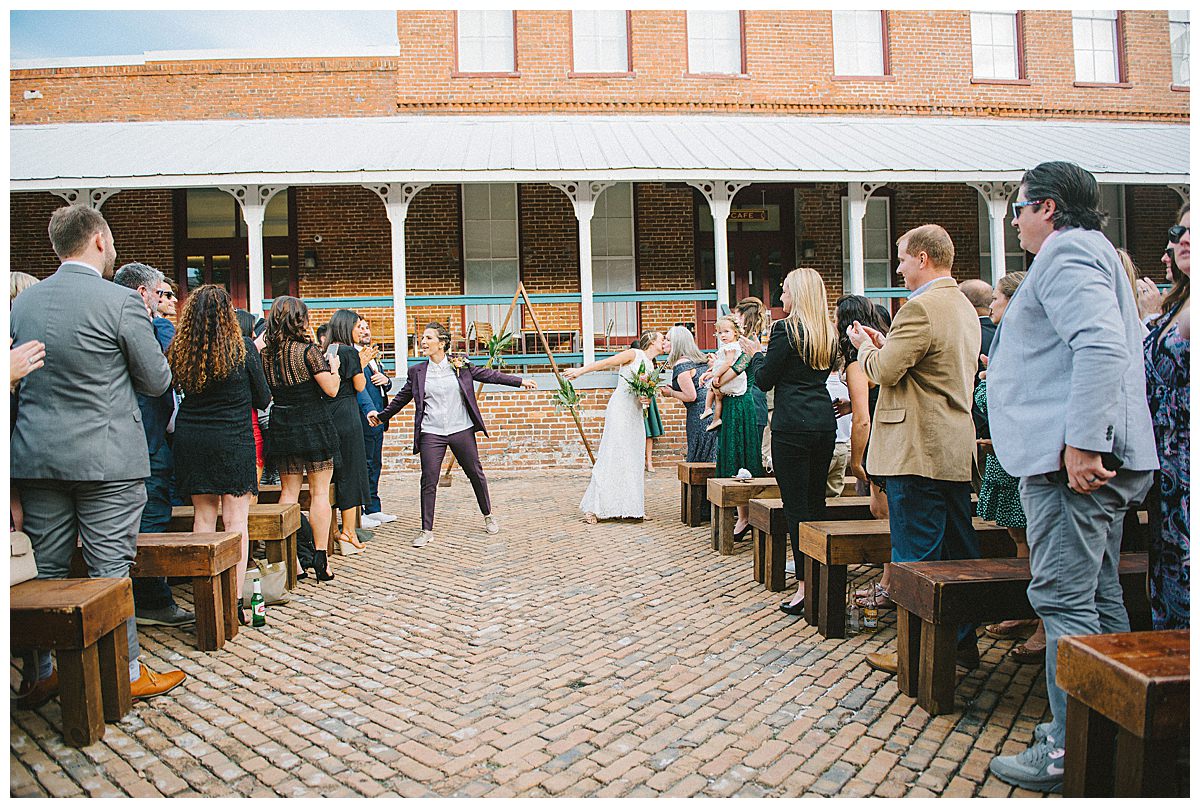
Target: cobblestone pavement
[{"x": 553, "y": 659}]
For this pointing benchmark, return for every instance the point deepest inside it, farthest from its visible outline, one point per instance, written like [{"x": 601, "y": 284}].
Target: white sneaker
[
  {"x": 491, "y": 525},
  {"x": 370, "y": 521},
  {"x": 383, "y": 518},
  {"x": 423, "y": 538}
]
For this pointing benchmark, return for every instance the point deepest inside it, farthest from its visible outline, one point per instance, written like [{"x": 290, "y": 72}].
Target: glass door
[{"x": 223, "y": 269}]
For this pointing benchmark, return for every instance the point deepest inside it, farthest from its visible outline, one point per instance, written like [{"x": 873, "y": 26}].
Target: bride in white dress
[{"x": 617, "y": 489}]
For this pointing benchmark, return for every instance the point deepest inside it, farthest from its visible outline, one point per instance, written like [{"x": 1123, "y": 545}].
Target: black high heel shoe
[
  {"x": 321, "y": 565},
  {"x": 242, "y": 614},
  {"x": 795, "y": 611},
  {"x": 739, "y": 534}
]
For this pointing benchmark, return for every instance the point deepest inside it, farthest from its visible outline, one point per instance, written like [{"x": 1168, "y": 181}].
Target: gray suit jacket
[
  {"x": 77, "y": 417},
  {"x": 1066, "y": 365}
]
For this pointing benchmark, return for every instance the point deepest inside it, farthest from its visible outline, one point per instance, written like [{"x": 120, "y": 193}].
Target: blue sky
[{"x": 42, "y": 34}]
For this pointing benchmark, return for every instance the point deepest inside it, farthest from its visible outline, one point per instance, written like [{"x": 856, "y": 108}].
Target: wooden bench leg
[
  {"x": 775, "y": 563},
  {"x": 113, "y": 652},
  {"x": 1091, "y": 742},
  {"x": 292, "y": 559},
  {"x": 812, "y": 591},
  {"x": 832, "y": 622},
  {"x": 698, "y": 507},
  {"x": 723, "y": 530},
  {"x": 210, "y": 624},
  {"x": 228, "y": 605},
  {"x": 80, "y": 695},
  {"x": 685, "y": 504},
  {"x": 1144, "y": 767},
  {"x": 936, "y": 683},
  {"x": 758, "y": 538},
  {"x": 908, "y": 651}
]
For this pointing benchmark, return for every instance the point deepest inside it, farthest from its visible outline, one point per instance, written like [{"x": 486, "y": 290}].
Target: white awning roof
[{"x": 528, "y": 148}]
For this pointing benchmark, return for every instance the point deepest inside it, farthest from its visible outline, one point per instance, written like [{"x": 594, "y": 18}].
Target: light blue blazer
[{"x": 1066, "y": 366}]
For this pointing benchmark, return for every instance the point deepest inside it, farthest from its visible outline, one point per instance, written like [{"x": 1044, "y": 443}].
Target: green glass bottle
[{"x": 258, "y": 608}]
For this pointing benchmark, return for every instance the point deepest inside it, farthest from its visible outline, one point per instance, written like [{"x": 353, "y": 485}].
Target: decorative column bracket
[
  {"x": 1184, "y": 191},
  {"x": 252, "y": 200},
  {"x": 92, "y": 197},
  {"x": 719, "y": 194},
  {"x": 396, "y": 197},
  {"x": 995, "y": 196},
  {"x": 583, "y": 196},
  {"x": 859, "y": 193}
]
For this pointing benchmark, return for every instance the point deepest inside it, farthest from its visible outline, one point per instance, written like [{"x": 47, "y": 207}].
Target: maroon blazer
[{"x": 414, "y": 390}]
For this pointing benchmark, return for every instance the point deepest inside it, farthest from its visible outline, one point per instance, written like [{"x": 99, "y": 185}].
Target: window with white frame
[
  {"x": 994, "y": 45},
  {"x": 491, "y": 266},
  {"x": 612, "y": 261},
  {"x": 1014, "y": 256},
  {"x": 877, "y": 244},
  {"x": 485, "y": 42},
  {"x": 600, "y": 41},
  {"x": 1096, "y": 46},
  {"x": 1112, "y": 202},
  {"x": 858, "y": 43},
  {"x": 714, "y": 42},
  {"x": 1181, "y": 48}
]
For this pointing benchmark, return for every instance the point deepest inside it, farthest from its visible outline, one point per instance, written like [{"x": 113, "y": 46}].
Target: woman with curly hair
[
  {"x": 220, "y": 375},
  {"x": 301, "y": 438}
]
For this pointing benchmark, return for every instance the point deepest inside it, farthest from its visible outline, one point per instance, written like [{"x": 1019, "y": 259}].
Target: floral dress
[
  {"x": 999, "y": 496},
  {"x": 1167, "y": 388}
]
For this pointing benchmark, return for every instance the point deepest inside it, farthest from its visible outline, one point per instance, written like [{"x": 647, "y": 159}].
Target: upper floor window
[
  {"x": 858, "y": 43},
  {"x": 1097, "y": 45},
  {"x": 600, "y": 41},
  {"x": 995, "y": 45},
  {"x": 1181, "y": 47},
  {"x": 486, "y": 42},
  {"x": 715, "y": 42}
]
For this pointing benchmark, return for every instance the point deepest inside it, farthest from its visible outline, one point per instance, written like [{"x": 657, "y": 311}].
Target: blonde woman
[
  {"x": 800, "y": 354},
  {"x": 18, "y": 282}
]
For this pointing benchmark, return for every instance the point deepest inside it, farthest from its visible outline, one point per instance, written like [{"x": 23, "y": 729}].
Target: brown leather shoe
[
  {"x": 151, "y": 684},
  {"x": 38, "y": 693},
  {"x": 883, "y": 662}
]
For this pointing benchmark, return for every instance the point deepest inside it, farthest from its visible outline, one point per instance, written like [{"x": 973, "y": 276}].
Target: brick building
[{"x": 632, "y": 169}]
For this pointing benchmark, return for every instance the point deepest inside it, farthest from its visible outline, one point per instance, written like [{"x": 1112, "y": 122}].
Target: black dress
[
  {"x": 352, "y": 485},
  {"x": 214, "y": 439},
  {"x": 301, "y": 436}
]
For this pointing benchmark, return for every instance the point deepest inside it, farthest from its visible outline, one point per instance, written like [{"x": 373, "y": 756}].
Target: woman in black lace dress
[
  {"x": 220, "y": 375},
  {"x": 301, "y": 438}
]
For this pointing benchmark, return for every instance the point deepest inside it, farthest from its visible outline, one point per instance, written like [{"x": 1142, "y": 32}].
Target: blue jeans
[
  {"x": 374, "y": 449},
  {"x": 930, "y": 520},
  {"x": 153, "y": 593}
]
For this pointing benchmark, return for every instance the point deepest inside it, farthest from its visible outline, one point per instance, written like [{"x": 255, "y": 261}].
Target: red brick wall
[
  {"x": 819, "y": 210},
  {"x": 666, "y": 259},
  {"x": 955, "y": 207},
  {"x": 549, "y": 243},
  {"x": 28, "y": 242},
  {"x": 1149, "y": 212}
]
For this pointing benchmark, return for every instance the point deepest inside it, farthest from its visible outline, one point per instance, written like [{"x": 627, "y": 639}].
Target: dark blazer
[
  {"x": 414, "y": 390},
  {"x": 987, "y": 330},
  {"x": 156, "y": 411},
  {"x": 802, "y": 402},
  {"x": 373, "y": 399}
]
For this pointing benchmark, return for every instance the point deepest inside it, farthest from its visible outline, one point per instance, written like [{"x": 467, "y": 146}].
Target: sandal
[
  {"x": 1012, "y": 629},
  {"x": 1022, "y": 654},
  {"x": 355, "y": 547},
  {"x": 862, "y": 598}
]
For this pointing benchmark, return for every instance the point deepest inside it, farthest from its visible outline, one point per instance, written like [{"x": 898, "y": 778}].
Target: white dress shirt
[{"x": 445, "y": 411}]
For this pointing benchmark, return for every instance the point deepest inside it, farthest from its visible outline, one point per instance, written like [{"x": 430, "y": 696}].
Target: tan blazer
[{"x": 925, "y": 372}]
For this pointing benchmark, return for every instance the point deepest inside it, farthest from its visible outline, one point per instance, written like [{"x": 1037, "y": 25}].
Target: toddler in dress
[{"x": 728, "y": 332}]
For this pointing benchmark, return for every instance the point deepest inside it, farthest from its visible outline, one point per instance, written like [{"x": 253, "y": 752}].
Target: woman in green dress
[
  {"x": 739, "y": 440},
  {"x": 654, "y": 426}
]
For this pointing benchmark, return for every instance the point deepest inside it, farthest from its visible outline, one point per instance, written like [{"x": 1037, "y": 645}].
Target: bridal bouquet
[{"x": 644, "y": 382}]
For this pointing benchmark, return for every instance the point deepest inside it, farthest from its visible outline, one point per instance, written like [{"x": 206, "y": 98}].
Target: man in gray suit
[
  {"x": 79, "y": 454},
  {"x": 1068, "y": 416}
]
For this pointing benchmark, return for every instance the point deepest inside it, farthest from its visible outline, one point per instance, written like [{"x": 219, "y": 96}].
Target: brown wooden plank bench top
[
  {"x": 274, "y": 523},
  {"x": 83, "y": 620},
  {"x": 693, "y": 491},
  {"x": 933, "y": 597},
  {"x": 1127, "y": 712},
  {"x": 725, "y": 494}
]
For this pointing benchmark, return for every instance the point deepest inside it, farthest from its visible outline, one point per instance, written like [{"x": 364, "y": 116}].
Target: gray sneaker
[
  {"x": 423, "y": 538},
  {"x": 491, "y": 525},
  {"x": 167, "y": 616},
  {"x": 1042, "y": 731},
  {"x": 1038, "y": 768}
]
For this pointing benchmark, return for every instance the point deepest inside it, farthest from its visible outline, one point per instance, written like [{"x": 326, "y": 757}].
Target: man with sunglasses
[{"x": 1068, "y": 416}]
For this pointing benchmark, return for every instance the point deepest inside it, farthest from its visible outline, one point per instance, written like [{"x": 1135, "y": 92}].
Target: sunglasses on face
[
  {"x": 1019, "y": 206},
  {"x": 1174, "y": 234},
  {"x": 167, "y": 293}
]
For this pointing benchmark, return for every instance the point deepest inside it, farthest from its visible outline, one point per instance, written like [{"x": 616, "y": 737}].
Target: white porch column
[
  {"x": 583, "y": 196},
  {"x": 719, "y": 194},
  {"x": 856, "y": 209},
  {"x": 253, "y": 199},
  {"x": 92, "y": 197},
  {"x": 396, "y": 197},
  {"x": 996, "y": 196}
]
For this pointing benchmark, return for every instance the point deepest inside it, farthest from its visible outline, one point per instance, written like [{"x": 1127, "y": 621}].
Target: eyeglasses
[
  {"x": 167, "y": 293},
  {"x": 1019, "y": 206},
  {"x": 1174, "y": 234}
]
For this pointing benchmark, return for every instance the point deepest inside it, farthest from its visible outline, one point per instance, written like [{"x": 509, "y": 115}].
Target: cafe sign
[{"x": 748, "y": 215}]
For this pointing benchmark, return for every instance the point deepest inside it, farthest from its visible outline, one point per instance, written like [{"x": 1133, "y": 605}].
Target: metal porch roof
[{"x": 425, "y": 148}]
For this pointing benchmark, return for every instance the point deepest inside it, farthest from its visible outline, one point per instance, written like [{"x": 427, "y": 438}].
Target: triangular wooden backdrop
[{"x": 512, "y": 307}]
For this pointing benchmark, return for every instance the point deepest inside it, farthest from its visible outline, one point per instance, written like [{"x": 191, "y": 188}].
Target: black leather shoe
[
  {"x": 740, "y": 534},
  {"x": 794, "y": 611}
]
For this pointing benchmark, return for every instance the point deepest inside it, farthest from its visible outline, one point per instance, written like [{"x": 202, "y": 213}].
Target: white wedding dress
[{"x": 618, "y": 485}]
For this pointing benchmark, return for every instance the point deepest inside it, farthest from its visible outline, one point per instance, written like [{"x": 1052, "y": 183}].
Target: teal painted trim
[
  {"x": 341, "y": 303},
  {"x": 654, "y": 297},
  {"x": 487, "y": 300},
  {"x": 515, "y": 360},
  {"x": 494, "y": 300},
  {"x": 886, "y": 293}
]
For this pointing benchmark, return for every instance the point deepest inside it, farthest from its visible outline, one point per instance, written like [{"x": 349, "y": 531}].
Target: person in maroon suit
[{"x": 447, "y": 414}]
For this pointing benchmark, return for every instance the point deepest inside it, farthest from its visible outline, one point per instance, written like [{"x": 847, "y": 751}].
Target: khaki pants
[{"x": 835, "y": 483}]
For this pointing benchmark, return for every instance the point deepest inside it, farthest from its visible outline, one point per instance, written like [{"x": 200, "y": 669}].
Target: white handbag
[{"x": 21, "y": 565}]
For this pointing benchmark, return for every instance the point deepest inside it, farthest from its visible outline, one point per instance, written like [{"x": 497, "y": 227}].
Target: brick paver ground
[{"x": 553, "y": 659}]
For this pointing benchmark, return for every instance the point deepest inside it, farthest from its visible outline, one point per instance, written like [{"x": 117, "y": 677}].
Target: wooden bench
[
  {"x": 725, "y": 494},
  {"x": 269, "y": 495},
  {"x": 829, "y": 548},
  {"x": 933, "y": 597},
  {"x": 1127, "y": 713},
  {"x": 274, "y": 524},
  {"x": 83, "y": 620},
  {"x": 693, "y": 499},
  {"x": 768, "y": 529}
]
